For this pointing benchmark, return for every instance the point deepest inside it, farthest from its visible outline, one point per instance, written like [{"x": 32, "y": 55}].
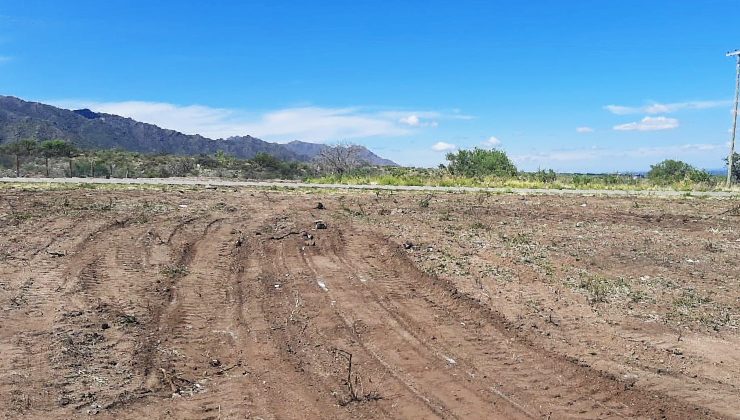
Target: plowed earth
[{"x": 231, "y": 304}]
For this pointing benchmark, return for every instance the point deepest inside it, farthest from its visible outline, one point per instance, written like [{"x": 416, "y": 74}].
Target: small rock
[
  {"x": 629, "y": 380},
  {"x": 408, "y": 245},
  {"x": 319, "y": 224},
  {"x": 105, "y": 326},
  {"x": 215, "y": 363},
  {"x": 320, "y": 206}
]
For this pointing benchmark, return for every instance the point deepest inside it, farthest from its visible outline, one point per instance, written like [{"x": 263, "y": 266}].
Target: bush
[
  {"x": 480, "y": 162},
  {"x": 669, "y": 171},
  {"x": 581, "y": 180},
  {"x": 267, "y": 161},
  {"x": 699, "y": 176},
  {"x": 545, "y": 176}
]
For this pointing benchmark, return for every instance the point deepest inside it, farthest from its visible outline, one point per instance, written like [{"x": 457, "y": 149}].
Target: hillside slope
[{"x": 21, "y": 119}]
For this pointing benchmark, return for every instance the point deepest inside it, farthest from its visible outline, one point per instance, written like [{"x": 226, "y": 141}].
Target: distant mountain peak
[{"x": 90, "y": 115}]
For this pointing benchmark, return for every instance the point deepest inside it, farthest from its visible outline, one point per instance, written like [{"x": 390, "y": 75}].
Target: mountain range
[{"x": 87, "y": 129}]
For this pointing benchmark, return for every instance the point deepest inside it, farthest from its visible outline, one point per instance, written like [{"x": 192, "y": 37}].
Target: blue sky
[{"x": 586, "y": 85}]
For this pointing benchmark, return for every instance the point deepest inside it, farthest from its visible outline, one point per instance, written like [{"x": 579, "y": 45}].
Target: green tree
[
  {"x": 671, "y": 170},
  {"x": 545, "y": 175},
  {"x": 92, "y": 159},
  {"x": 52, "y": 149},
  {"x": 266, "y": 160},
  {"x": 224, "y": 160},
  {"x": 480, "y": 162},
  {"x": 21, "y": 149},
  {"x": 71, "y": 152},
  {"x": 115, "y": 159}
]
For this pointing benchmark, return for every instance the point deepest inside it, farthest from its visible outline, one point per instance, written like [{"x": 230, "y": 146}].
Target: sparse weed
[
  {"x": 174, "y": 271},
  {"x": 602, "y": 289},
  {"x": 479, "y": 226},
  {"x": 518, "y": 239},
  {"x": 690, "y": 299},
  {"x": 637, "y": 296}
]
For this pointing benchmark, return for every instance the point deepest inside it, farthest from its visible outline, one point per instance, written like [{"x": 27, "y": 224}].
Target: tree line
[
  {"x": 341, "y": 160},
  {"x": 338, "y": 159}
]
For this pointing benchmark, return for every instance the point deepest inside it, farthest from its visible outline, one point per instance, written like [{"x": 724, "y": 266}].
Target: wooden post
[{"x": 734, "y": 118}]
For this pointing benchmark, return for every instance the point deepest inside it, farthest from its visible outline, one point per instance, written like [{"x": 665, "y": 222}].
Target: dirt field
[{"x": 216, "y": 304}]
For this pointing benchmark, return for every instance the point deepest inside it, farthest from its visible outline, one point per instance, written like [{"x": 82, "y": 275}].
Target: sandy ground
[{"x": 230, "y": 303}]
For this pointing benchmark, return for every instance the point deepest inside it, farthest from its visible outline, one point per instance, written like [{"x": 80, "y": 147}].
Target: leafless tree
[{"x": 341, "y": 158}]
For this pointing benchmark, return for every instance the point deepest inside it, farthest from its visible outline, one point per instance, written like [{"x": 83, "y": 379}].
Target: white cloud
[
  {"x": 5, "y": 59},
  {"x": 492, "y": 141},
  {"x": 412, "y": 120},
  {"x": 441, "y": 146},
  {"x": 660, "y": 108},
  {"x": 593, "y": 153},
  {"x": 621, "y": 110},
  {"x": 649, "y": 124},
  {"x": 584, "y": 130},
  {"x": 321, "y": 124},
  {"x": 317, "y": 124}
]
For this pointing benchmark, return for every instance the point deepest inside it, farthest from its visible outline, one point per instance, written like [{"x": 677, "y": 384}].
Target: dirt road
[{"x": 232, "y": 304}]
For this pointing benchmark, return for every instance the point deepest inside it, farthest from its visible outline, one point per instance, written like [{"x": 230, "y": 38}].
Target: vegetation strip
[{"x": 277, "y": 184}]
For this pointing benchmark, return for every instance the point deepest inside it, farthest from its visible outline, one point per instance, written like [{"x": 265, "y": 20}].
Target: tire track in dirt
[
  {"x": 217, "y": 314},
  {"x": 429, "y": 372},
  {"x": 298, "y": 273},
  {"x": 299, "y": 363},
  {"x": 96, "y": 337},
  {"x": 98, "y": 331},
  {"x": 213, "y": 344},
  {"x": 155, "y": 291},
  {"x": 27, "y": 339},
  {"x": 405, "y": 287}
]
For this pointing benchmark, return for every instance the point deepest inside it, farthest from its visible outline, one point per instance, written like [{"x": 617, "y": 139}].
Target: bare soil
[{"x": 230, "y": 303}]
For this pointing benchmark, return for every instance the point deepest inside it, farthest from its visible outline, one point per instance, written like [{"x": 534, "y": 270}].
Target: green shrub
[
  {"x": 581, "y": 180},
  {"x": 545, "y": 176},
  {"x": 735, "y": 167},
  {"x": 480, "y": 162},
  {"x": 671, "y": 171}
]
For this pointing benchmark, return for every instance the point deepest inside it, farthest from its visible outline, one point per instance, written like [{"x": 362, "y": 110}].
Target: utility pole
[{"x": 736, "y": 54}]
